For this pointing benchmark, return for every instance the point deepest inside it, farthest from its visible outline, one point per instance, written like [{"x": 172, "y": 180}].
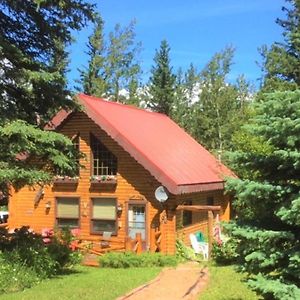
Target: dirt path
[{"x": 184, "y": 282}]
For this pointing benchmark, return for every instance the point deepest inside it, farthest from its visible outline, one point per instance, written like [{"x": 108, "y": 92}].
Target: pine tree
[
  {"x": 33, "y": 62},
  {"x": 122, "y": 67},
  {"x": 94, "y": 78},
  {"x": 186, "y": 92},
  {"x": 162, "y": 81},
  {"x": 33, "y": 38},
  {"x": 281, "y": 63},
  {"x": 113, "y": 65}
]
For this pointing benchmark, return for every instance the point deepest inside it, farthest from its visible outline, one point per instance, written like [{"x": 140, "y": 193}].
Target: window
[
  {"x": 104, "y": 215},
  {"x": 210, "y": 201},
  {"x": 67, "y": 212},
  {"x": 187, "y": 216},
  {"x": 104, "y": 162}
]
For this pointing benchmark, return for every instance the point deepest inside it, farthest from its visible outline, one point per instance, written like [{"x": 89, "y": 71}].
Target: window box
[
  {"x": 66, "y": 180},
  {"x": 109, "y": 180}
]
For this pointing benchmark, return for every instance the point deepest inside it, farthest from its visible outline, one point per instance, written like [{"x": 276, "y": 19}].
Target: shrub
[
  {"x": 15, "y": 276},
  {"x": 183, "y": 252},
  {"x": 225, "y": 253},
  {"x": 26, "y": 259},
  {"x": 132, "y": 260}
]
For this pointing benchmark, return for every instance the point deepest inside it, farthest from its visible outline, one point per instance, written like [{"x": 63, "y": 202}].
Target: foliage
[
  {"x": 33, "y": 58},
  {"x": 221, "y": 107},
  {"x": 226, "y": 283},
  {"x": 88, "y": 283},
  {"x": 225, "y": 253},
  {"x": 185, "y": 93},
  {"x": 31, "y": 156},
  {"x": 281, "y": 63},
  {"x": 26, "y": 258},
  {"x": 15, "y": 277},
  {"x": 184, "y": 252},
  {"x": 112, "y": 65},
  {"x": 162, "y": 81},
  {"x": 267, "y": 204},
  {"x": 93, "y": 78},
  {"x": 132, "y": 260},
  {"x": 28, "y": 248}
]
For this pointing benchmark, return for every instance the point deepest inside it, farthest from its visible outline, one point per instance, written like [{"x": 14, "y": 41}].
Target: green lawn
[
  {"x": 88, "y": 283},
  {"x": 226, "y": 284}
]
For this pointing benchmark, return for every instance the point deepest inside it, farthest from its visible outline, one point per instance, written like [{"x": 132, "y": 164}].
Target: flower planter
[
  {"x": 103, "y": 182},
  {"x": 66, "y": 180}
]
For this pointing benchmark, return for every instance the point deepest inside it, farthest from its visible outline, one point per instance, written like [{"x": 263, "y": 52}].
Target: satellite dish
[{"x": 161, "y": 194}]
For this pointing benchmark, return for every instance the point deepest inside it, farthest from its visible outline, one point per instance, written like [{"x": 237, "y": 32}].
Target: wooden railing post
[
  {"x": 128, "y": 244},
  {"x": 152, "y": 240},
  {"x": 210, "y": 217},
  {"x": 139, "y": 242}
]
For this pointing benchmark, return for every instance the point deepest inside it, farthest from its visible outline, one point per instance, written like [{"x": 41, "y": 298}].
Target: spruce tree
[
  {"x": 267, "y": 195},
  {"x": 93, "y": 78},
  {"x": 162, "y": 81},
  {"x": 267, "y": 199},
  {"x": 33, "y": 62},
  {"x": 186, "y": 92},
  {"x": 122, "y": 67},
  {"x": 281, "y": 63},
  {"x": 113, "y": 65},
  {"x": 33, "y": 39}
]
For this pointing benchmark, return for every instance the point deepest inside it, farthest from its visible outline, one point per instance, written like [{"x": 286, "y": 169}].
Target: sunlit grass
[
  {"x": 226, "y": 284},
  {"x": 88, "y": 283}
]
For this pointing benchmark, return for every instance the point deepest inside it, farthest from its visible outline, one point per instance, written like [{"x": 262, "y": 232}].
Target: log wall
[{"x": 134, "y": 183}]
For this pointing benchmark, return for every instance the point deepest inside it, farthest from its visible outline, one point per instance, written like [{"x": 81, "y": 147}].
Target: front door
[{"x": 137, "y": 221}]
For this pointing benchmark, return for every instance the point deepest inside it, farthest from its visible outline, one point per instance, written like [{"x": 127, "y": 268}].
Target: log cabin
[{"x": 129, "y": 154}]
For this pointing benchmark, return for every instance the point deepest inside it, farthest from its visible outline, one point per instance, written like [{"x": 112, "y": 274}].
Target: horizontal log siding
[{"x": 133, "y": 182}]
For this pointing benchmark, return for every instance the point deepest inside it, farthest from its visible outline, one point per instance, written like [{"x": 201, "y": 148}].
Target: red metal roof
[{"x": 171, "y": 155}]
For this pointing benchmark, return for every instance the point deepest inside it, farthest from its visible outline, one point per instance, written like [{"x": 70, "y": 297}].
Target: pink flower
[
  {"x": 46, "y": 240},
  {"x": 75, "y": 232}
]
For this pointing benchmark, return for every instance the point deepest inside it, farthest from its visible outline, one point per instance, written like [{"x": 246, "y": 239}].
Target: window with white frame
[{"x": 104, "y": 161}]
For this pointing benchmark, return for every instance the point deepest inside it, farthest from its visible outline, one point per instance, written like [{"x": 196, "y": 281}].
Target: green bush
[
  {"x": 15, "y": 276},
  {"x": 132, "y": 260},
  {"x": 26, "y": 259},
  {"x": 183, "y": 252},
  {"x": 225, "y": 253}
]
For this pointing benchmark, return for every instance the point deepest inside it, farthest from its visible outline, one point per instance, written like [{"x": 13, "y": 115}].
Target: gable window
[
  {"x": 104, "y": 162},
  {"x": 187, "y": 216},
  {"x": 104, "y": 215},
  {"x": 210, "y": 200},
  {"x": 67, "y": 212}
]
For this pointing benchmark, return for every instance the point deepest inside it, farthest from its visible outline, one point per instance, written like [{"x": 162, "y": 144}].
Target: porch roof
[{"x": 171, "y": 155}]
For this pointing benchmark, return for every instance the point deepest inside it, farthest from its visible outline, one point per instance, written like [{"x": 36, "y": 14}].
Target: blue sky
[{"x": 195, "y": 30}]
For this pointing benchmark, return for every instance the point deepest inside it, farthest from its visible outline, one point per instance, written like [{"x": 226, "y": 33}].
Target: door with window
[{"x": 137, "y": 221}]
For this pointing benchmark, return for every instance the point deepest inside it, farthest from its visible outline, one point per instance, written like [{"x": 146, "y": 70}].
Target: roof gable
[{"x": 172, "y": 156}]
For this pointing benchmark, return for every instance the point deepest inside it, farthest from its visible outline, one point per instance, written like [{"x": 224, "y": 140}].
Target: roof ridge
[{"x": 121, "y": 104}]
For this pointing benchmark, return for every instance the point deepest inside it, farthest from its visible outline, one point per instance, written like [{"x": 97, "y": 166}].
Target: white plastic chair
[
  {"x": 199, "y": 247},
  {"x": 105, "y": 241}
]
